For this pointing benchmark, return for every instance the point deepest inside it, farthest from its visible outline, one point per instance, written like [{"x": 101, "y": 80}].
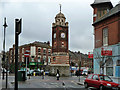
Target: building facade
[
  {"x": 39, "y": 55},
  {"x": 60, "y": 55},
  {"x": 106, "y": 22},
  {"x": 85, "y": 61}
]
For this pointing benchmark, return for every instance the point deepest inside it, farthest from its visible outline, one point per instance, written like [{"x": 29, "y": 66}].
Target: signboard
[
  {"x": 90, "y": 54},
  {"x": 27, "y": 53},
  {"x": 105, "y": 51}
]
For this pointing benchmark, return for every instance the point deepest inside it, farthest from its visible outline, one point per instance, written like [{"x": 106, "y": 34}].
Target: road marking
[
  {"x": 53, "y": 83},
  {"x": 74, "y": 82}
]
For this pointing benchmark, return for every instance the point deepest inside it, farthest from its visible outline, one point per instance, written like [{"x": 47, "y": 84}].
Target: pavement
[{"x": 116, "y": 79}]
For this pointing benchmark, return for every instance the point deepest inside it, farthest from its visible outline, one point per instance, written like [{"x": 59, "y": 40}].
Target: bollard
[{"x": 34, "y": 74}]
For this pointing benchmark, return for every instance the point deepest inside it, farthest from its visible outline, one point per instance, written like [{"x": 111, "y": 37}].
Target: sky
[{"x": 38, "y": 16}]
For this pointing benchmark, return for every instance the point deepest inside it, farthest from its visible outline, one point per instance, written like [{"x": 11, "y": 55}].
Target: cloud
[{"x": 38, "y": 16}]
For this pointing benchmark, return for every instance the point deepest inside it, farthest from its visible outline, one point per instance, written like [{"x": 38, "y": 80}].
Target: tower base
[{"x": 64, "y": 69}]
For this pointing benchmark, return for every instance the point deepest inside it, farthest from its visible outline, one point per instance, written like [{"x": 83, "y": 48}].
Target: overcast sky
[{"x": 38, "y": 16}]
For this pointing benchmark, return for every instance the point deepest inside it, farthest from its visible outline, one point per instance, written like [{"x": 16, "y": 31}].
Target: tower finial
[{"x": 60, "y": 7}]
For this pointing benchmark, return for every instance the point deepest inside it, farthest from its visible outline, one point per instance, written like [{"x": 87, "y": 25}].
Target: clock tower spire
[
  {"x": 60, "y": 56},
  {"x": 60, "y": 7}
]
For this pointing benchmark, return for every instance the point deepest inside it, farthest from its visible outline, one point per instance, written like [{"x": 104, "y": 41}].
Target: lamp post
[
  {"x": 79, "y": 67},
  {"x": 5, "y": 25}
]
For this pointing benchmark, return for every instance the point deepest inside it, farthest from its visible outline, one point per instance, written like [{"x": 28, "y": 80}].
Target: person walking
[{"x": 58, "y": 75}]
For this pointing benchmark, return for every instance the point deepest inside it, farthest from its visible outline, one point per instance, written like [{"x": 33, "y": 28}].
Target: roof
[
  {"x": 41, "y": 44},
  {"x": 101, "y": 1},
  {"x": 113, "y": 11},
  {"x": 60, "y": 15}
]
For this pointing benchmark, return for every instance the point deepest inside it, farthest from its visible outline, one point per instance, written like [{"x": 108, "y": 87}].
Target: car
[
  {"x": 37, "y": 73},
  {"x": 46, "y": 72},
  {"x": 29, "y": 73},
  {"x": 100, "y": 82},
  {"x": 85, "y": 73}
]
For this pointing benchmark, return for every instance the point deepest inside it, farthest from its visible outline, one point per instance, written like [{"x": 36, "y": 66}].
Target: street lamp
[
  {"x": 79, "y": 67},
  {"x": 5, "y": 25}
]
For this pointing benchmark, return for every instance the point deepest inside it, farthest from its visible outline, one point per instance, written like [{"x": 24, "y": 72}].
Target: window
[
  {"x": 11, "y": 52},
  {"x": 95, "y": 77},
  {"x": 55, "y": 44},
  {"x": 23, "y": 50},
  {"x": 90, "y": 76},
  {"x": 23, "y": 58},
  {"x": 62, "y": 44},
  {"x": 39, "y": 50},
  {"x": 118, "y": 62},
  {"x": 105, "y": 36},
  {"x": 32, "y": 58},
  {"x": 39, "y": 59},
  {"x": 44, "y": 58},
  {"x": 49, "y": 59},
  {"x": 49, "y": 51},
  {"x": 54, "y": 58},
  {"x": 44, "y": 51}
]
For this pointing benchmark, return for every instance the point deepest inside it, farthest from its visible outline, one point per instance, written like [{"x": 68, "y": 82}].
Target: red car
[{"x": 101, "y": 82}]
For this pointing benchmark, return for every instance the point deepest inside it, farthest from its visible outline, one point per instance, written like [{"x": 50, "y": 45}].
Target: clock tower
[{"x": 60, "y": 56}]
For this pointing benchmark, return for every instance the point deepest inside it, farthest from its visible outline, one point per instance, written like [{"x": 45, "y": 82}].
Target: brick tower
[{"x": 60, "y": 56}]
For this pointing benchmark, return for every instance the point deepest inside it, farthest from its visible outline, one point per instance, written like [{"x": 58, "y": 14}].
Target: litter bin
[{"x": 21, "y": 76}]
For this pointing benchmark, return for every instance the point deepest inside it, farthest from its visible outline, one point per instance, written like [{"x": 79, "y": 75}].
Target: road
[{"x": 49, "y": 83}]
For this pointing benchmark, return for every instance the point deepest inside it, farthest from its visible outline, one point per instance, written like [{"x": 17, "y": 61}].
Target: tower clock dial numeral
[{"x": 62, "y": 35}]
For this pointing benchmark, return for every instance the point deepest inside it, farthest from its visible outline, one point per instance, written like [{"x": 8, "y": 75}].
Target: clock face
[
  {"x": 62, "y": 35},
  {"x": 54, "y": 35}
]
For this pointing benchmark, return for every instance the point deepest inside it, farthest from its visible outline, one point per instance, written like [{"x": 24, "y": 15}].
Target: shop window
[{"x": 118, "y": 62}]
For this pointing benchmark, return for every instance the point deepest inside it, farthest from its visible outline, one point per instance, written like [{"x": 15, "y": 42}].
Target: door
[{"x": 95, "y": 81}]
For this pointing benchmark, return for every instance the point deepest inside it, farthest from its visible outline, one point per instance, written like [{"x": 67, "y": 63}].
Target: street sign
[
  {"x": 27, "y": 53},
  {"x": 105, "y": 51},
  {"x": 90, "y": 54}
]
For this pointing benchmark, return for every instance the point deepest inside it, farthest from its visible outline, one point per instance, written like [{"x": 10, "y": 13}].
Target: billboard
[
  {"x": 106, "y": 51},
  {"x": 90, "y": 54}
]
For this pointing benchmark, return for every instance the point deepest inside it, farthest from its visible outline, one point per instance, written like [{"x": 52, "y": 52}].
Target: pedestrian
[
  {"x": 58, "y": 76},
  {"x": 42, "y": 74}
]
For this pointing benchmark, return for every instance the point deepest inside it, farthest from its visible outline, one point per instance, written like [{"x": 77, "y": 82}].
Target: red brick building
[
  {"x": 40, "y": 55},
  {"x": 85, "y": 61},
  {"x": 106, "y": 22}
]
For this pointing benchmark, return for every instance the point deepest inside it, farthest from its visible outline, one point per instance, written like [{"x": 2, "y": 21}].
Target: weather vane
[{"x": 60, "y": 7}]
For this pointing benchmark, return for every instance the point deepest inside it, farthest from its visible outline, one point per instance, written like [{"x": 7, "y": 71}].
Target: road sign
[
  {"x": 90, "y": 54},
  {"x": 27, "y": 53}
]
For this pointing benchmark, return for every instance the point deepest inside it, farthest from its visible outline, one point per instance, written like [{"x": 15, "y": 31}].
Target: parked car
[
  {"x": 85, "y": 73},
  {"x": 101, "y": 82},
  {"x": 29, "y": 73},
  {"x": 37, "y": 73},
  {"x": 46, "y": 72}
]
